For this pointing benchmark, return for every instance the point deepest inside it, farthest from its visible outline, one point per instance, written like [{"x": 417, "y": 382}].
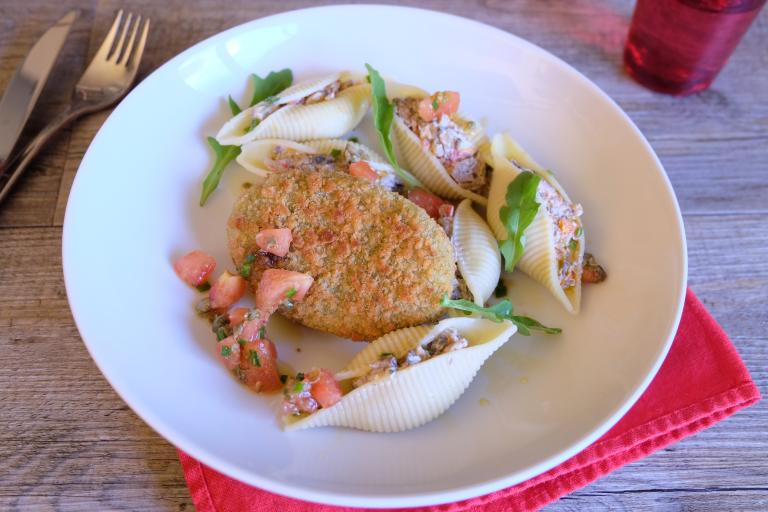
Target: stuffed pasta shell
[
  {"x": 400, "y": 381},
  {"x": 554, "y": 248},
  {"x": 266, "y": 156},
  {"x": 477, "y": 254},
  {"x": 316, "y": 109},
  {"x": 441, "y": 147}
]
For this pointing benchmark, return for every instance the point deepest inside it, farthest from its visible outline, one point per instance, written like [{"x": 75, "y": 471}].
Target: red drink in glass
[{"x": 679, "y": 46}]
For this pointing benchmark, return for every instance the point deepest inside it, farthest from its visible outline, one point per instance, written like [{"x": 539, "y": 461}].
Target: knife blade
[{"x": 24, "y": 88}]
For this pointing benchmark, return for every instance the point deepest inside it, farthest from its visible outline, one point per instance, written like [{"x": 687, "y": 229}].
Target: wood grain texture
[{"x": 67, "y": 441}]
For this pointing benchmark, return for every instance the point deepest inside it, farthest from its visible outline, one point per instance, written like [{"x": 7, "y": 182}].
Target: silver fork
[{"x": 108, "y": 77}]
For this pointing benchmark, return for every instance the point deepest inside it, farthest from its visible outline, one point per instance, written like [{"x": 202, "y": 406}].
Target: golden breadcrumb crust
[{"x": 380, "y": 262}]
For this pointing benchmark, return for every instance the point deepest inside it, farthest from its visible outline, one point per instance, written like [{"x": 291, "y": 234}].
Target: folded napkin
[{"x": 701, "y": 382}]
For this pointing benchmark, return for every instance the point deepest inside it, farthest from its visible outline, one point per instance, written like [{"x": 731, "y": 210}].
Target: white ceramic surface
[{"x": 133, "y": 210}]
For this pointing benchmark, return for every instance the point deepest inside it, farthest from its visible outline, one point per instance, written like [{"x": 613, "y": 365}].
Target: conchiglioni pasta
[
  {"x": 445, "y": 154},
  {"x": 410, "y": 396},
  {"x": 266, "y": 156},
  {"x": 324, "y": 108},
  {"x": 477, "y": 252},
  {"x": 554, "y": 248}
]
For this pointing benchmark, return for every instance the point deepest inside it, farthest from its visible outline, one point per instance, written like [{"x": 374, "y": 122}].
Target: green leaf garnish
[
  {"x": 335, "y": 153},
  {"x": 254, "y": 123},
  {"x": 291, "y": 293},
  {"x": 270, "y": 86},
  {"x": 262, "y": 333},
  {"x": 579, "y": 231},
  {"x": 224, "y": 155},
  {"x": 221, "y": 333},
  {"x": 233, "y": 106},
  {"x": 435, "y": 105},
  {"x": 245, "y": 268},
  {"x": 383, "y": 115},
  {"x": 242, "y": 342},
  {"x": 573, "y": 244},
  {"x": 204, "y": 287},
  {"x": 226, "y": 351},
  {"x": 253, "y": 357},
  {"x": 517, "y": 214},
  {"x": 498, "y": 312}
]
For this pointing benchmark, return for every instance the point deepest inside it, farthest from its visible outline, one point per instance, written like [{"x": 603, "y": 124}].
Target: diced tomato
[
  {"x": 430, "y": 202},
  {"x": 227, "y": 290},
  {"x": 277, "y": 284},
  {"x": 194, "y": 268},
  {"x": 448, "y": 102},
  {"x": 363, "y": 170},
  {"x": 237, "y": 316},
  {"x": 443, "y": 102},
  {"x": 254, "y": 329},
  {"x": 325, "y": 389},
  {"x": 228, "y": 351},
  {"x": 258, "y": 363},
  {"x": 276, "y": 241}
]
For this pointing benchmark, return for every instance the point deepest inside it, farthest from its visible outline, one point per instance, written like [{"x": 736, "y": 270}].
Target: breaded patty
[{"x": 380, "y": 262}]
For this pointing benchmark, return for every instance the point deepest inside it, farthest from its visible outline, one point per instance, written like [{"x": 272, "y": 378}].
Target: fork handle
[{"x": 14, "y": 167}]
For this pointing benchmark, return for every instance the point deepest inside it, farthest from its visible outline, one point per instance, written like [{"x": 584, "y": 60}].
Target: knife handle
[{"x": 14, "y": 167}]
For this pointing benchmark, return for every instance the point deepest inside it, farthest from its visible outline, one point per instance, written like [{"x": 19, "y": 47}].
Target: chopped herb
[
  {"x": 252, "y": 314},
  {"x": 386, "y": 354},
  {"x": 579, "y": 231},
  {"x": 224, "y": 155},
  {"x": 204, "y": 287},
  {"x": 291, "y": 293},
  {"x": 299, "y": 376},
  {"x": 573, "y": 244},
  {"x": 245, "y": 268},
  {"x": 242, "y": 342},
  {"x": 435, "y": 105},
  {"x": 516, "y": 215},
  {"x": 383, "y": 115},
  {"x": 283, "y": 378},
  {"x": 233, "y": 106},
  {"x": 498, "y": 312},
  {"x": 335, "y": 153},
  {"x": 226, "y": 351},
  {"x": 274, "y": 83},
  {"x": 353, "y": 139},
  {"x": 253, "y": 358},
  {"x": 501, "y": 289},
  {"x": 221, "y": 333},
  {"x": 262, "y": 333},
  {"x": 298, "y": 387}
]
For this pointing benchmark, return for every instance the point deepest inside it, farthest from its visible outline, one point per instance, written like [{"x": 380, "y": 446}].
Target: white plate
[{"x": 133, "y": 210}]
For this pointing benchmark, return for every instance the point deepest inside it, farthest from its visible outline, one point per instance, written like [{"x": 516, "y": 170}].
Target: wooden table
[{"x": 69, "y": 443}]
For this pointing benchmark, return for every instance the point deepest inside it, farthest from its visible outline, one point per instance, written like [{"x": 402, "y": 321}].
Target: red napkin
[{"x": 701, "y": 382}]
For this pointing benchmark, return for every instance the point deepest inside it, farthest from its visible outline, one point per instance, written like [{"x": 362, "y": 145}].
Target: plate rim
[{"x": 407, "y": 499}]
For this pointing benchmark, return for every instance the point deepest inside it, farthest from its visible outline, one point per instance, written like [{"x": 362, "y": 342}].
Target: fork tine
[
  {"x": 115, "y": 55},
  {"x": 103, "y": 50},
  {"x": 129, "y": 46},
  {"x": 136, "y": 58}
]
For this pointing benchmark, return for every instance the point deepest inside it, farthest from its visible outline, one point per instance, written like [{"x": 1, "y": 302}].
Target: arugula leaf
[
  {"x": 516, "y": 215},
  {"x": 500, "y": 311},
  {"x": 383, "y": 115},
  {"x": 224, "y": 155},
  {"x": 274, "y": 83},
  {"x": 233, "y": 106}
]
